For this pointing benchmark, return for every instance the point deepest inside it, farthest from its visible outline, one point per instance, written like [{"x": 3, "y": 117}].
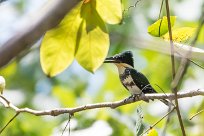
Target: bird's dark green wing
[
  {"x": 143, "y": 84},
  {"x": 140, "y": 80}
]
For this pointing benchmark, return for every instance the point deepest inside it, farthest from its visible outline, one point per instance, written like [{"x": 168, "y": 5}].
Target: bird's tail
[{"x": 168, "y": 103}]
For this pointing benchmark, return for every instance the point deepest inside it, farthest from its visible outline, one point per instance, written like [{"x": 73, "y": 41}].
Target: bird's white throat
[{"x": 122, "y": 66}]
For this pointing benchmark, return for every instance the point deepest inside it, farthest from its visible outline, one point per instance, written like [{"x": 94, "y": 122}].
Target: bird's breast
[{"x": 128, "y": 82}]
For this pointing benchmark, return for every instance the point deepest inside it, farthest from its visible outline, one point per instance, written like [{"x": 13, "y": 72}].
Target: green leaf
[
  {"x": 109, "y": 10},
  {"x": 160, "y": 27},
  {"x": 182, "y": 34},
  {"x": 152, "y": 132},
  {"x": 58, "y": 45},
  {"x": 94, "y": 43}
]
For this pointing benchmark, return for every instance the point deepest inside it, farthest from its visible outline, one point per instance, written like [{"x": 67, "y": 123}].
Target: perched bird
[{"x": 134, "y": 81}]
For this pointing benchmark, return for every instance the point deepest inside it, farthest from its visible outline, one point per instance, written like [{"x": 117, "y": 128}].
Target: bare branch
[
  {"x": 132, "y": 6},
  {"x": 158, "y": 121},
  {"x": 71, "y": 111},
  {"x": 162, "y": 46},
  {"x": 47, "y": 18},
  {"x": 174, "y": 89},
  {"x": 196, "y": 114},
  {"x": 171, "y": 39},
  {"x": 184, "y": 62},
  {"x": 1, "y": 130},
  {"x": 166, "y": 123},
  {"x": 55, "y": 112}
]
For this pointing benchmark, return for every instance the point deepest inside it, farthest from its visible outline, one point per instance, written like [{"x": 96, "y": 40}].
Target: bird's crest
[{"x": 125, "y": 57}]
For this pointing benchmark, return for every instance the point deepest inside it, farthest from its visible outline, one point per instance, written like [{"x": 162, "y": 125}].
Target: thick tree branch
[
  {"x": 48, "y": 17},
  {"x": 56, "y": 112}
]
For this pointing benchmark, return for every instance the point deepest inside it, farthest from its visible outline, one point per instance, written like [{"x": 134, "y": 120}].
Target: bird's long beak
[{"x": 111, "y": 60}]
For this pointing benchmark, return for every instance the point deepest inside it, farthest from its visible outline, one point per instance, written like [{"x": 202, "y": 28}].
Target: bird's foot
[
  {"x": 146, "y": 100},
  {"x": 134, "y": 97}
]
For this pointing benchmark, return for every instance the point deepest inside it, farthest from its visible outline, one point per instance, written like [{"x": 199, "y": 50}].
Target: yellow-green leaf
[
  {"x": 109, "y": 10},
  {"x": 152, "y": 132},
  {"x": 182, "y": 34},
  {"x": 58, "y": 45},
  {"x": 160, "y": 27},
  {"x": 94, "y": 43}
]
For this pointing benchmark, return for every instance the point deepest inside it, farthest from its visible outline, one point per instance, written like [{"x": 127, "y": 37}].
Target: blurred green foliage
[{"x": 27, "y": 86}]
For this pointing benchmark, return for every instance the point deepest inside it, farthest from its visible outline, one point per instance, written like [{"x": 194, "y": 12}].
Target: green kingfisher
[{"x": 134, "y": 81}]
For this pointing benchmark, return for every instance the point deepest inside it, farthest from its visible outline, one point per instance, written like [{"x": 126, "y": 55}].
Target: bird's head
[{"x": 122, "y": 59}]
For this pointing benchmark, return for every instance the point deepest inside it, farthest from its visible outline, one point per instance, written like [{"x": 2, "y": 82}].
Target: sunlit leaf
[
  {"x": 9, "y": 70},
  {"x": 109, "y": 10},
  {"x": 94, "y": 43},
  {"x": 58, "y": 45},
  {"x": 152, "y": 132},
  {"x": 182, "y": 34},
  {"x": 160, "y": 27}
]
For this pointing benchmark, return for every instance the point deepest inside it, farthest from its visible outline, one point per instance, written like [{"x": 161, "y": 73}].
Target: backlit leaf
[
  {"x": 182, "y": 34},
  {"x": 109, "y": 10},
  {"x": 94, "y": 43},
  {"x": 160, "y": 27},
  {"x": 58, "y": 45},
  {"x": 152, "y": 132}
]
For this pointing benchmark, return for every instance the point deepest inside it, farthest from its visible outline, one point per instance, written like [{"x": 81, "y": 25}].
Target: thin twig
[
  {"x": 160, "y": 17},
  {"x": 184, "y": 62},
  {"x": 132, "y": 6},
  {"x": 196, "y": 114},
  {"x": 158, "y": 121},
  {"x": 170, "y": 37},
  {"x": 161, "y": 9},
  {"x": 9, "y": 122},
  {"x": 173, "y": 68},
  {"x": 68, "y": 123},
  {"x": 167, "y": 121}
]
